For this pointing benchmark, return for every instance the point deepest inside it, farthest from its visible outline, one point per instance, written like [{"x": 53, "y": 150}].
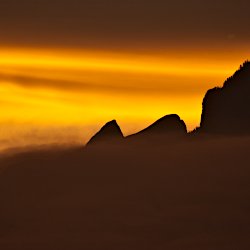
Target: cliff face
[{"x": 226, "y": 110}]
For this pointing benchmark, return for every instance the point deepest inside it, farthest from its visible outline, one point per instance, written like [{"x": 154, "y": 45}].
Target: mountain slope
[{"x": 167, "y": 127}]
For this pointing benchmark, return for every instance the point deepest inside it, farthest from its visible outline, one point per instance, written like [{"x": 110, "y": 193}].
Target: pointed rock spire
[{"x": 110, "y": 132}]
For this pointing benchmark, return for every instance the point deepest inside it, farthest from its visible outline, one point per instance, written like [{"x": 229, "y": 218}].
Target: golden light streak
[
  {"x": 75, "y": 88},
  {"x": 109, "y": 62}
]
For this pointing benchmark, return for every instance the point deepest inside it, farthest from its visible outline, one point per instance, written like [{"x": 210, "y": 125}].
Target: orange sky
[{"x": 74, "y": 92}]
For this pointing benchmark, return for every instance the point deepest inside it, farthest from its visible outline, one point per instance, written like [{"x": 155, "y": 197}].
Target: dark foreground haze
[
  {"x": 190, "y": 194},
  {"x": 161, "y": 188}
]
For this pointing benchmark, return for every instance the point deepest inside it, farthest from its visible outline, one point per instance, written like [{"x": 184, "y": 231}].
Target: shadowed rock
[
  {"x": 110, "y": 132},
  {"x": 226, "y": 110},
  {"x": 168, "y": 127}
]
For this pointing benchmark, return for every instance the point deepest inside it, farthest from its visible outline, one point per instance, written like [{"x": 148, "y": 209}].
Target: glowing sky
[{"x": 67, "y": 67}]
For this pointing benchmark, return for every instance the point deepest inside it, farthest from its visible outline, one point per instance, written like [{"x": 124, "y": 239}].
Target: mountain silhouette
[
  {"x": 167, "y": 127},
  {"x": 110, "y": 132},
  {"x": 226, "y": 110}
]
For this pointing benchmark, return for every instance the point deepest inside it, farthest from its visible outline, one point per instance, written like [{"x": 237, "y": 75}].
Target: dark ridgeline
[
  {"x": 226, "y": 110},
  {"x": 110, "y": 133},
  {"x": 167, "y": 128}
]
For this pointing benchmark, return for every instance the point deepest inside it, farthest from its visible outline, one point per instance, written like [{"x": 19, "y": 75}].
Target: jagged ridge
[{"x": 225, "y": 110}]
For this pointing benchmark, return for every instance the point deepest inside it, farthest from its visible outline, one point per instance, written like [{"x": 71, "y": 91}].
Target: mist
[{"x": 187, "y": 194}]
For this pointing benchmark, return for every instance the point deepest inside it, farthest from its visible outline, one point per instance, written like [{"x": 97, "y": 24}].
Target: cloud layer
[{"x": 124, "y": 23}]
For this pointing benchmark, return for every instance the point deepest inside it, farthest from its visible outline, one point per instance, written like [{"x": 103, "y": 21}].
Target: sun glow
[{"x": 45, "y": 88}]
